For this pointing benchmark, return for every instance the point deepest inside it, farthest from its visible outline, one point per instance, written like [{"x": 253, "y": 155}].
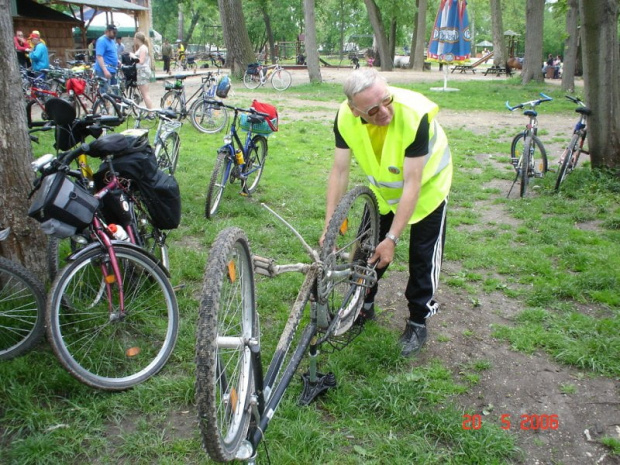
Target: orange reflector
[
  {"x": 344, "y": 227},
  {"x": 132, "y": 351},
  {"x": 233, "y": 399},
  {"x": 232, "y": 271},
  {"x": 110, "y": 279}
]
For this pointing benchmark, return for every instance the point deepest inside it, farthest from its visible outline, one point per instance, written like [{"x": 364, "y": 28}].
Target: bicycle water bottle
[
  {"x": 118, "y": 232},
  {"x": 239, "y": 157}
]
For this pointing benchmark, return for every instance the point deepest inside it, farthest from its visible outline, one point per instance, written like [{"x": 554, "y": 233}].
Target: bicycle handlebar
[
  {"x": 531, "y": 103},
  {"x": 244, "y": 110},
  {"x": 166, "y": 113},
  {"x": 576, "y": 100}
]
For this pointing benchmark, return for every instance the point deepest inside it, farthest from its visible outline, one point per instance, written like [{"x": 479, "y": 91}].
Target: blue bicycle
[{"x": 238, "y": 160}]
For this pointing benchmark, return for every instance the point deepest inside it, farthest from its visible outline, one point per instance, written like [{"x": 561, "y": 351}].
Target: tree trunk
[
  {"x": 180, "y": 23},
  {"x": 500, "y": 54},
  {"x": 569, "y": 60},
  {"x": 26, "y": 243},
  {"x": 533, "y": 60},
  {"x": 382, "y": 43},
  {"x": 392, "y": 38},
  {"x": 420, "y": 35},
  {"x": 270, "y": 40},
  {"x": 239, "y": 48},
  {"x": 192, "y": 25},
  {"x": 312, "y": 52},
  {"x": 601, "y": 66}
]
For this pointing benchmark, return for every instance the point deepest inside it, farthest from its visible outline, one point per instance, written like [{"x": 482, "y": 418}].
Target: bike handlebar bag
[
  {"x": 77, "y": 85},
  {"x": 62, "y": 206}
]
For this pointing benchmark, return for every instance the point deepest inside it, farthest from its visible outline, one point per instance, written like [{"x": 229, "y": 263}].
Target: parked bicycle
[
  {"x": 257, "y": 75},
  {"x": 22, "y": 307},
  {"x": 570, "y": 156},
  {"x": 235, "y": 401},
  {"x": 112, "y": 315},
  {"x": 205, "y": 116},
  {"x": 240, "y": 160},
  {"x": 526, "y": 147},
  {"x": 167, "y": 141}
]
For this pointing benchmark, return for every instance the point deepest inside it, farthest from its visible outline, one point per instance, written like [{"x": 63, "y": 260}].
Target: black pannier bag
[
  {"x": 62, "y": 206},
  {"x": 159, "y": 191},
  {"x": 253, "y": 68}
]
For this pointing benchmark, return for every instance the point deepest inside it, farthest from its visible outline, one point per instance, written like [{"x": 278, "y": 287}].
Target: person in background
[
  {"x": 399, "y": 145},
  {"x": 180, "y": 50},
  {"x": 22, "y": 48},
  {"x": 39, "y": 56},
  {"x": 166, "y": 53},
  {"x": 106, "y": 59},
  {"x": 143, "y": 66},
  {"x": 120, "y": 49},
  {"x": 91, "y": 50}
]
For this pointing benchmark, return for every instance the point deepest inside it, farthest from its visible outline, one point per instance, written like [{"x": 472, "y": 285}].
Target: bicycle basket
[
  {"x": 176, "y": 85},
  {"x": 62, "y": 207},
  {"x": 264, "y": 128}
]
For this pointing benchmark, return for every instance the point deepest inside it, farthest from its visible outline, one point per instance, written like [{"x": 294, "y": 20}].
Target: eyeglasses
[{"x": 372, "y": 111}]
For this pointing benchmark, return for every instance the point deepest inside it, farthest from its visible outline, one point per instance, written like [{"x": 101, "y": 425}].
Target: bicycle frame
[{"x": 235, "y": 143}]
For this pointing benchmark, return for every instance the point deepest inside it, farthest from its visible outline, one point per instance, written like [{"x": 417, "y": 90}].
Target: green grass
[{"x": 385, "y": 410}]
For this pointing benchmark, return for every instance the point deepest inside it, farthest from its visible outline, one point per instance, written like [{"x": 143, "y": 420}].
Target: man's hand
[
  {"x": 384, "y": 254},
  {"x": 106, "y": 73}
]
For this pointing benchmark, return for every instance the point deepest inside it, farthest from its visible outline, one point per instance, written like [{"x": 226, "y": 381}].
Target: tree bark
[
  {"x": 26, "y": 243},
  {"x": 180, "y": 23},
  {"x": 417, "y": 51},
  {"x": 500, "y": 54},
  {"x": 533, "y": 60},
  {"x": 569, "y": 60},
  {"x": 382, "y": 42},
  {"x": 196, "y": 16},
  {"x": 601, "y": 65},
  {"x": 239, "y": 48},
  {"x": 312, "y": 52}
]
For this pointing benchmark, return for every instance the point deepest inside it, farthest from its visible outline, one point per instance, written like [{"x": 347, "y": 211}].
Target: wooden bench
[{"x": 473, "y": 66}]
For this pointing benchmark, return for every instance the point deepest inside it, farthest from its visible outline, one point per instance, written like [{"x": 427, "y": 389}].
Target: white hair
[{"x": 360, "y": 80}]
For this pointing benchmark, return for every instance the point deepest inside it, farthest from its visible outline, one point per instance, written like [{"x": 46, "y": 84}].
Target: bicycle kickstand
[
  {"x": 513, "y": 185},
  {"x": 315, "y": 383}
]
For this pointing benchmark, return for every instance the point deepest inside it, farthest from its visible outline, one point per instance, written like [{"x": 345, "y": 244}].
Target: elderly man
[
  {"x": 106, "y": 58},
  {"x": 398, "y": 143}
]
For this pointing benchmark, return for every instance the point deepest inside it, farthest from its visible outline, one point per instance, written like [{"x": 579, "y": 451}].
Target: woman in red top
[{"x": 22, "y": 48}]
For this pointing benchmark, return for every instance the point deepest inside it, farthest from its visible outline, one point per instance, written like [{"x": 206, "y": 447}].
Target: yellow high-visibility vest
[{"x": 386, "y": 174}]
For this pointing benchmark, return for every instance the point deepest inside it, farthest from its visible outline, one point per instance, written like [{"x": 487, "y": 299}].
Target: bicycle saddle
[
  {"x": 180, "y": 76},
  {"x": 583, "y": 110},
  {"x": 60, "y": 111},
  {"x": 530, "y": 113}
]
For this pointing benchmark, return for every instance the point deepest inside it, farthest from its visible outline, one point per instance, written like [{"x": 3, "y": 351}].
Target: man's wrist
[{"x": 393, "y": 238}]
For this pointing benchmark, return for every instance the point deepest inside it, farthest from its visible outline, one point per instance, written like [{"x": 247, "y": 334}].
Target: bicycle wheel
[
  {"x": 35, "y": 113},
  {"x": 171, "y": 99},
  {"x": 208, "y": 118},
  {"x": 567, "y": 163},
  {"x": 94, "y": 342},
  {"x": 105, "y": 106},
  {"x": 132, "y": 93},
  {"x": 350, "y": 240},
  {"x": 255, "y": 163},
  {"x": 251, "y": 81},
  {"x": 226, "y": 325},
  {"x": 167, "y": 152},
  {"x": 56, "y": 253},
  {"x": 281, "y": 79},
  {"x": 22, "y": 309},
  {"x": 218, "y": 181},
  {"x": 516, "y": 150},
  {"x": 533, "y": 163}
]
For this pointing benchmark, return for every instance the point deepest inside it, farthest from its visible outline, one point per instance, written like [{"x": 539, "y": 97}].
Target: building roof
[
  {"x": 34, "y": 10},
  {"x": 117, "y": 5}
]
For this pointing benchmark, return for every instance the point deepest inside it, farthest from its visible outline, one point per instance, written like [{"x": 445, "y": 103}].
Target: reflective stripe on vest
[{"x": 386, "y": 177}]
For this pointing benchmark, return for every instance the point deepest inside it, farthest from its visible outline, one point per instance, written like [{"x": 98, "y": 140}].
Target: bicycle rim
[
  {"x": 208, "y": 118},
  {"x": 172, "y": 100},
  {"x": 281, "y": 79},
  {"x": 566, "y": 166},
  {"x": 167, "y": 152},
  {"x": 251, "y": 81},
  {"x": 96, "y": 344},
  {"x": 227, "y": 321},
  {"x": 350, "y": 240},
  {"x": 217, "y": 184},
  {"x": 516, "y": 150},
  {"x": 255, "y": 163},
  {"x": 22, "y": 310}
]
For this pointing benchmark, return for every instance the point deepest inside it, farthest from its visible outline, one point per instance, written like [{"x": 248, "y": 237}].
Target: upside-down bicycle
[{"x": 235, "y": 400}]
